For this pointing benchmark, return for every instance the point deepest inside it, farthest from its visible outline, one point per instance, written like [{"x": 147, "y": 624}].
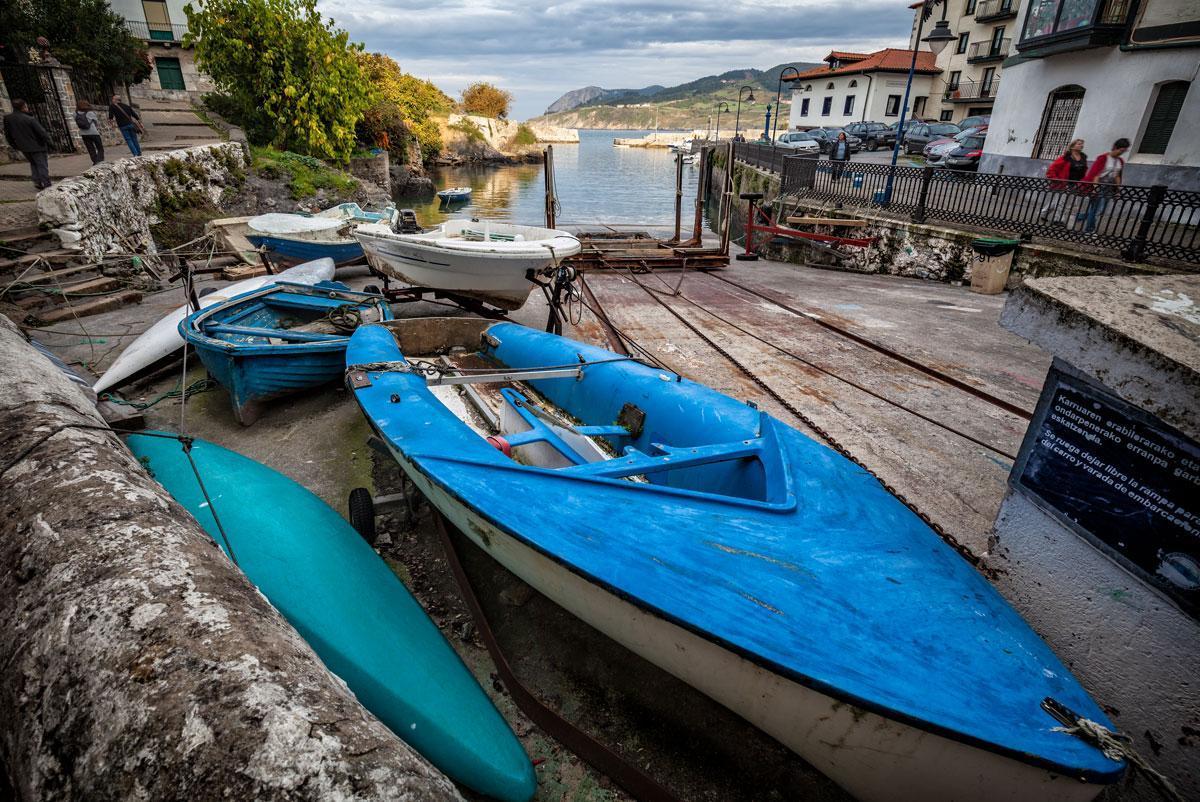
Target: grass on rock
[{"x": 305, "y": 174}]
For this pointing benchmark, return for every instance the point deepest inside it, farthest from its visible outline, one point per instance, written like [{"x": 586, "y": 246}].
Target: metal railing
[
  {"x": 767, "y": 157},
  {"x": 156, "y": 31},
  {"x": 1114, "y": 12},
  {"x": 982, "y": 51},
  {"x": 995, "y": 9},
  {"x": 1134, "y": 222},
  {"x": 972, "y": 90}
]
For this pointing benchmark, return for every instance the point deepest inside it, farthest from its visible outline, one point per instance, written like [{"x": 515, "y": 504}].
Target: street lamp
[
  {"x": 737, "y": 123},
  {"x": 938, "y": 38},
  {"x": 719, "y": 105},
  {"x": 778, "y": 92}
]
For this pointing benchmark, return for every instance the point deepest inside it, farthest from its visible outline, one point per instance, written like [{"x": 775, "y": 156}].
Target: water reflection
[{"x": 597, "y": 183}]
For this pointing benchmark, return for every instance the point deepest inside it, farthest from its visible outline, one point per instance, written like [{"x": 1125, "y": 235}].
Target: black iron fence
[
  {"x": 1135, "y": 222},
  {"x": 156, "y": 31},
  {"x": 36, "y": 85}
]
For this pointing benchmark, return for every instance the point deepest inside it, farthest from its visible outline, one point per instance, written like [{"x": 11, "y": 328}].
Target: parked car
[
  {"x": 975, "y": 122},
  {"x": 908, "y": 125},
  {"x": 800, "y": 141},
  {"x": 917, "y": 137},
  {"x": 826, "y": 136},
  {"x": 966, "y": 155},
  {"x": 874, "y": 135},
  {"x": 937, "y": 150}
]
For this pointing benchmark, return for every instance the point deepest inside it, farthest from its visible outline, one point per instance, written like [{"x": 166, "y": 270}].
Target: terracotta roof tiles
[{"x": 888, "y": 60}]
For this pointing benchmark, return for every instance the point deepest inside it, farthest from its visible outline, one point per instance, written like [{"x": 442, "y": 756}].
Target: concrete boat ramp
[{"x": 915, "y": 380}]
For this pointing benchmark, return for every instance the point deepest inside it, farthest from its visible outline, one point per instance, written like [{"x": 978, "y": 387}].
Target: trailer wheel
[
  {"x": 746, "y": 257},
  {"x": 373, "y": 289},
  {"x": 362, "y": 514}
]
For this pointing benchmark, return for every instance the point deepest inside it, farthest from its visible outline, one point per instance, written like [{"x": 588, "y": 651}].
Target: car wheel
[{"x": 871, "y": 145}]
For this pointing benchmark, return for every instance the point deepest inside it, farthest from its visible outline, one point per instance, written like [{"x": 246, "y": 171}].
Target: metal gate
[
  {"x": 1058, "y": 122},
  {"x": 34, "y": 83}
]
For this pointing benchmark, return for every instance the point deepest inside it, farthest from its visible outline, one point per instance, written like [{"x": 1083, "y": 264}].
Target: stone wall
[
  {"x": 904, "y": 248},
  {"x": 373, "y": 169},
  {"x": 110, "y": 208}
]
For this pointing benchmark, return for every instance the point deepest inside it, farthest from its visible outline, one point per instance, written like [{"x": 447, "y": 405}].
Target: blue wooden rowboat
[
  {"x": 734, "y": 552},
  {"x": 357, "y": 616},
  {"x": 279, "y": 339},
  {"x": 295, "y": 238},
  {"x": 454, "y": 195}
]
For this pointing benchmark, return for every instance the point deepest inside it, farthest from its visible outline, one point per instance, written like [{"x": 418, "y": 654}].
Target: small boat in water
[
  {"x": 163, "y": 339},
  {"x": 294, "y": 238},
  {"x": 734, "y": 552},
  {"x": 481, "y": 259},
  {"x": 354, "y": 612},
  {"x": 455, "y": 194},
  {"x": 278, "y": 340}
]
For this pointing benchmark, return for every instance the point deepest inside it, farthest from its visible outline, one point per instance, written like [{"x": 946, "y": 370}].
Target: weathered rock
[
  {"x": 110, "y": 208},
  {"x": 409, "y": 183},
  {"x": 138, "y": 663}
]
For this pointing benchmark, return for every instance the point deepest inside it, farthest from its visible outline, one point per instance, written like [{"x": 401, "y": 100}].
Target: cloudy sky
[{"x": 537, "y": 50}]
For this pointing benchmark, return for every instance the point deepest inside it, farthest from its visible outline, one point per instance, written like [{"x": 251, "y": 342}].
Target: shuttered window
[{"x": 1163, "y": 117}]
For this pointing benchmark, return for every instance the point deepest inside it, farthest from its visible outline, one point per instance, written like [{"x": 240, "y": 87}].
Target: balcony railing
[
  {"x": 971, "y": 91},
  {"x": 156, "y": 31},
  {"x": 1057, "y": 27},
  {"x": 995, "y": 9},
  {"x": 989, "y": 50}
]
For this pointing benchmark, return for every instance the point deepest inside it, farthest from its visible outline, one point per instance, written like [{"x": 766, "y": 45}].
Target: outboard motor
[{"x": 406, "y": 222}]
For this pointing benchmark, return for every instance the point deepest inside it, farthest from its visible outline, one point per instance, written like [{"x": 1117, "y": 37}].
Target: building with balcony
[
  {"x": 162, "y": 26},
  {"x": 853, "y": 87},
  {"x": 970, "y": 66},
  {"x": 1101, "y": 70}
]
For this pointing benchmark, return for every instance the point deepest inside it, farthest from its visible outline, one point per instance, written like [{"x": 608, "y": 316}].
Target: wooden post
[
  {"x": 701, "y": 186},
  {"x": 678, "y": 196},
  {"x": 138, "y": 661},
  {"x": 551, "y": 199}
]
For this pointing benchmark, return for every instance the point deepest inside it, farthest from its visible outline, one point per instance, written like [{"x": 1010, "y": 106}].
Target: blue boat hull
[
  {"x": 748, "y": 545},
  {"x": 357, "y": 616},
  {"x": 255, "y": 372},
  {"x": 296, "y": 251}
]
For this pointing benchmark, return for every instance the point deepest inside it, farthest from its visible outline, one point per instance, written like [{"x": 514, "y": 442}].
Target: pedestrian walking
[
  {"x": 839, "y": 154},
  {"x": 1105, "y": 174},
  {"x": 1072, "y": 165},
  {"x": 89, "y": 128},
  {"x": 23, "y": 132},
  {"x": 129, "y": 121}
]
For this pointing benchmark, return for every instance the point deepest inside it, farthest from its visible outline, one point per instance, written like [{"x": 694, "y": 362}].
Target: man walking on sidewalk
[
  {"x": 129, "y": 121},
  {"x": 23, "y": 132}
]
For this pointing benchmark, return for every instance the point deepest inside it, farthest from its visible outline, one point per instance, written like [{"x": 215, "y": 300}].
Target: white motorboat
[{"x": 478, "y": 259}]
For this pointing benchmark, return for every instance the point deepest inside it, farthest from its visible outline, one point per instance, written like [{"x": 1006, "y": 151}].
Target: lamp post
[
  {"x": 937, "y": 39},
  {"x": 717, "y": 134},
  {"x": 737, "y": 123},
  {"x": 778, "y": 92},
  {"x": 767, "y": 127}
]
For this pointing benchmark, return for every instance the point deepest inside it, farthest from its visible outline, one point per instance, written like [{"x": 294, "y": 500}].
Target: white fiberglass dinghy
[{"x": 480, "y": 259}]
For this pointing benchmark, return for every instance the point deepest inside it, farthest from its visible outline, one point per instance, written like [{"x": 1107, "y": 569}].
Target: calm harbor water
[{"x": 597, "y": 183}]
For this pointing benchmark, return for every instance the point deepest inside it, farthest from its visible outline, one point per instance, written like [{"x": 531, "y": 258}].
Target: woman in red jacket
[{"x": 1070, "y": 166}]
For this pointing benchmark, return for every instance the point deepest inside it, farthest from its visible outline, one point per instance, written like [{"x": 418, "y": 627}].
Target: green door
[{"x": 170, "y": 74}]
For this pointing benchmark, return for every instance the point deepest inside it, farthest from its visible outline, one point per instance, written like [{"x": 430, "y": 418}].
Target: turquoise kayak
[{"x": 357, "y": 616}]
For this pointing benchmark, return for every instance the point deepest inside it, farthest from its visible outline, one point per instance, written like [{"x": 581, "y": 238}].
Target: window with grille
[
  {"x": 848, "y": 107},
  {"x": 826, "y": 105},
  {"x": 1163, "y": 117},
  {"x": 1058, "y": 122}
]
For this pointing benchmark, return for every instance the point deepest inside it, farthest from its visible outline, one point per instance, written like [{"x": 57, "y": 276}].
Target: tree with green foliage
[
  {"x": 288, "y": 77},
  {"x": 403, "y": 110},
  {"x": 83, "y": 34},
  {"x": 486, "y": 100}
]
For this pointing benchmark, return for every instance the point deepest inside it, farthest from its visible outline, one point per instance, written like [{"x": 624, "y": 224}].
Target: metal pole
[
  {"x": 778, "y": 92},
  {"x": 737, "y": 123},
  {"x": 767, "y": 127},
  {"x": 678, "y": 194},
  {"x": 701, "y": 189},
  {"x": 551, "y": 201},
  {"x": 912, "y": 68}
]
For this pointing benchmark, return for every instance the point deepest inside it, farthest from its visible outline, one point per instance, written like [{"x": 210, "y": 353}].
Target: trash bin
[{"x": 993, "y": 260}]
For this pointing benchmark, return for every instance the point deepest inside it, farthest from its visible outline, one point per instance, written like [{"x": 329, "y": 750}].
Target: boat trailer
[{"x": 759, "y": 219}]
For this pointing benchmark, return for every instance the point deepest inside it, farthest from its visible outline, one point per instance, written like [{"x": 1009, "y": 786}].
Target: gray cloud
[{"x": 538, "y": 50}]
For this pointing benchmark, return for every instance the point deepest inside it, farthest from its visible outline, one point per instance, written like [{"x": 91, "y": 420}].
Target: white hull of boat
[
  {"x": 491, "y": 271},
  {"x": 163, "y": 338},
  {"x": 874, "y": 758}
]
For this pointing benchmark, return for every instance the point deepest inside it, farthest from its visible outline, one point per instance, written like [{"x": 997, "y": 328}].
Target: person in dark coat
[
  {"x": 23, "y": 132},
  {"x": 839, "y": 154},
  {"x": 129, "y": 121}
]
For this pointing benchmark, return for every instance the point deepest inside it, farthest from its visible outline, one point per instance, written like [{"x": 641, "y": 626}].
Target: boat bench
[{"x": 634, "y": 462}]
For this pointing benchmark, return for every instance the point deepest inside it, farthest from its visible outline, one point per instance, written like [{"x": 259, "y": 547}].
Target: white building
[
  {"x": 161, "y": 25},
  {"x": 857, "y": 87},
  {"x": 970, "y": 66},
  {"x": 1103, "y": 70}
]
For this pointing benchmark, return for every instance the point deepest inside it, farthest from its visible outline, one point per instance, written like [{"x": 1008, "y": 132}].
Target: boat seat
[
  {"x": 541, "y": 432},
  {"x": 281, "y": 334},
  {"x": 636, "y": 463}
]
